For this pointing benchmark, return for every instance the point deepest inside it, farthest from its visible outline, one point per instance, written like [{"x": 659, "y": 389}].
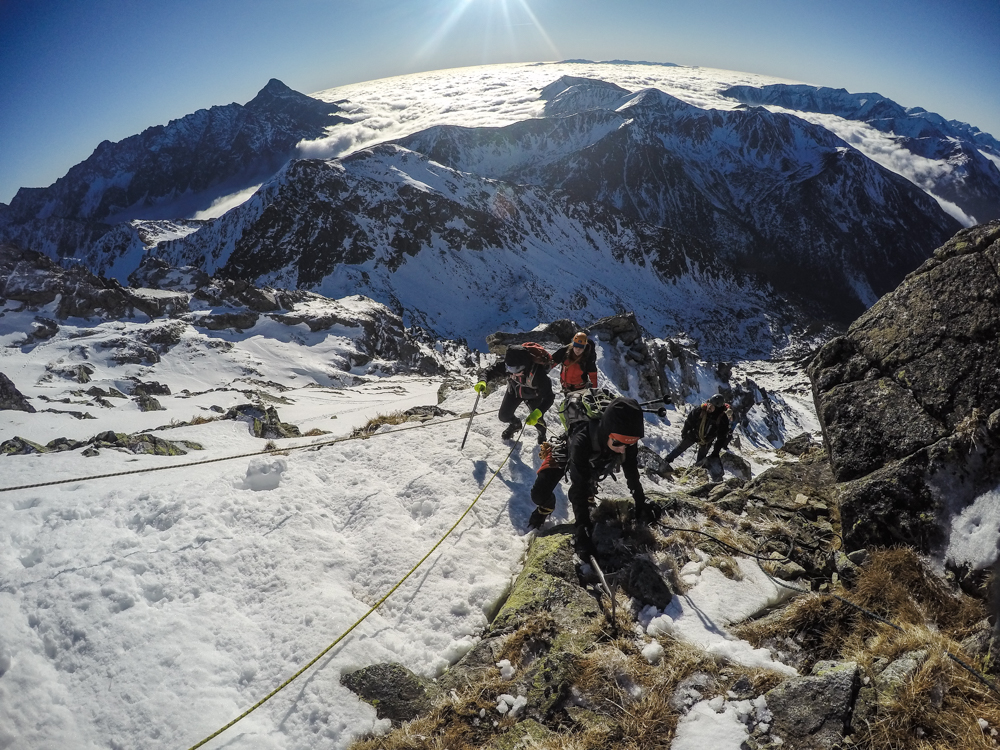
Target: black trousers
[
  {"x": 686, "y": 443},
  {"x": 582, "y": 487},
  {"x": 511, "y": 400}
]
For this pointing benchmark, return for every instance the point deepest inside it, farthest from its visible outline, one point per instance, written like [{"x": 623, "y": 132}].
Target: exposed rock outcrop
[
  {"x": 908, "y": 398},
  {"x": 11, "y": 398},
  {"x": 381, "y": 342},
  {"x": 814, "y": 712}
]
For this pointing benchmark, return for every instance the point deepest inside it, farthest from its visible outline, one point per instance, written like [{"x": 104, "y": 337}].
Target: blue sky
[{"x": 76, "y": 72}]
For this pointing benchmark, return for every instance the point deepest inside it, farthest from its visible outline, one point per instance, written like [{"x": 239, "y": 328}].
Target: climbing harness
[{"x": 374, "y": 607}]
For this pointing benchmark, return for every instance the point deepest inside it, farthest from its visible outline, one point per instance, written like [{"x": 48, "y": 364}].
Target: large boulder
[
  {"x": 11, "y": 398},
  {"x": 814, "y": 712},
  {"x": 908, "y": 398}
]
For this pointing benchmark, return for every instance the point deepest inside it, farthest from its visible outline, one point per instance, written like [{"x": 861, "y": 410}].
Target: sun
[{"x": 515, "y": 20}]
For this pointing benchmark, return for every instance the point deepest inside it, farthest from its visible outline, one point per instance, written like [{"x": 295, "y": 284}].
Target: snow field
[
  {"x": 150, "y": 610},
  {"x": 147, "y": 602}
]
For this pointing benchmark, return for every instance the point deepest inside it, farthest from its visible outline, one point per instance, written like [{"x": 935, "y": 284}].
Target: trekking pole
[
  {"x": 604, "y": 584},
  {"x": 664, "y": 400},
  {"x": 469, "y": 426}
]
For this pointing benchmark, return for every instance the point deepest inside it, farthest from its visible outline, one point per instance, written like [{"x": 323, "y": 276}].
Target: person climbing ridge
[
  {"x": 709, "y": 423},
  {"x": 579, "y": 363},
  {"x": 527, "y": 366},
  {"x": 592, "y": 449}
]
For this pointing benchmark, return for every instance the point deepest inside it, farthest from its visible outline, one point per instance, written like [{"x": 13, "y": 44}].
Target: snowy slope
[
  {"x": 464, "y": 255},
  {"x": 149, "y": 610}
]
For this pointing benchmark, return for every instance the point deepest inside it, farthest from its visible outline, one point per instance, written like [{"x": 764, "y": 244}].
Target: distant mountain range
[
  {"x": 971, "y": 179},
  {"x": 167, "y": 171},
  {"x": 742, "y": 225}
]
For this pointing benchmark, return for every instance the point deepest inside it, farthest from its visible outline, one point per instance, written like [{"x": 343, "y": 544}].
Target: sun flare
[{"x": 508, "y": 23}]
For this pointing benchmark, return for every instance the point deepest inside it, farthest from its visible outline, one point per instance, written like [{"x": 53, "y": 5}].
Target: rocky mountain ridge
[
  {"x": 889, "y": 648},
  {"x": 971, "y": 178},
  {"x": 167, "y": 171},
  {"x": 766, "y": 215},
  {"x": 736, "y": 181}
]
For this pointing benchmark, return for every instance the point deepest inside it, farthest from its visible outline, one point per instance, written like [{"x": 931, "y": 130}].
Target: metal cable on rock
[{"x": 377, "y": 604}]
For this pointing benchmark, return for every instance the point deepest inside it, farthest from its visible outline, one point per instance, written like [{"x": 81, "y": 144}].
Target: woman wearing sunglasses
[{"x": 579, "y": 364}]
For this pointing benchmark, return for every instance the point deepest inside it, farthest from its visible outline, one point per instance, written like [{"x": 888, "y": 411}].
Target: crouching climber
[
  {"x": 527, "y": 366},
  {"x": 591, "y": 450},
  {"x": 708, "y": 424}
]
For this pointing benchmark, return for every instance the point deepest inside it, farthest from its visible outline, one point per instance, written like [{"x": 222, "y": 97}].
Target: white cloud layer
[{"x": 221, "y": 205}]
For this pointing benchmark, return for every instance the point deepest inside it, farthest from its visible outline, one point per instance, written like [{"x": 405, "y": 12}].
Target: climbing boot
[
  {"x": 540, "y": 426},
  {"x": 538, "y": 517},
  {"x": 647, "y": 513},
  {"x": 512, "y": 429},
  {"x": 583, "y": 543}
]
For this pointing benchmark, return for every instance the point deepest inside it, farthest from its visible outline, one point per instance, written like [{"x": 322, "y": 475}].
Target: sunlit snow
[{"x": 149, "y": 610}]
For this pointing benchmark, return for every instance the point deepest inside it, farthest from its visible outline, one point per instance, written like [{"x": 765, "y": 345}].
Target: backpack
[
  {"x": 528, "y": 354},
  {"x": 587, "y": 404},
  {"x": 539, "y": 354}
]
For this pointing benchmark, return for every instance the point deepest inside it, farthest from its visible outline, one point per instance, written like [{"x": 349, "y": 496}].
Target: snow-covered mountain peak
[
  {"x": 653, "y": 102},
  {"x": 572, "y": 94}
]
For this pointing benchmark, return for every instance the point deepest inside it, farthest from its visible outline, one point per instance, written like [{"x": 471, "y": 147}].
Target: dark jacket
[
  {"x": 703, "y": 427},
  {"x": 585, "y": 453},
  {"x": 531, "y": 384},
  {"x": 579, "y": 373}
]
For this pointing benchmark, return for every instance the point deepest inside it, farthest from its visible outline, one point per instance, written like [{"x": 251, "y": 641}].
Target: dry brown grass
[
  {"x": 939, "y": 708},
  {"x": 535, "y": 634},
  {"x": 396, "y": 417},
  {"x": 452, "y": 725}
]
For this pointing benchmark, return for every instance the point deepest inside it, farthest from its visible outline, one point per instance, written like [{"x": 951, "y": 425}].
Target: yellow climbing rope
[{"x": 377, "y": 604}]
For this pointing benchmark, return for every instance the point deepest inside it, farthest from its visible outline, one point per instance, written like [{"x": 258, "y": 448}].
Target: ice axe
[{"x": 479, "y": 392}]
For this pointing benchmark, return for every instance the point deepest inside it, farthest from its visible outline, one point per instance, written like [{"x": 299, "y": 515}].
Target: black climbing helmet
[{"x": 718, "y": 401}]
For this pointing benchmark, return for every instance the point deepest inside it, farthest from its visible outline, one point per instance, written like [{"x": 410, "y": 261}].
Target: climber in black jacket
[
  {"x": 527, "y": 381},
  {"x": 591, "y": 450},
  {"x": 707, "y": 424}
]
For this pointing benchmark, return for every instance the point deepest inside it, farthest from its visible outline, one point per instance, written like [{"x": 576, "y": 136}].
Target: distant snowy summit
[
  {"x": 966, "y": 157},
  {"x": 183, "y": 165},
  {"x": 720, "y": 205}
]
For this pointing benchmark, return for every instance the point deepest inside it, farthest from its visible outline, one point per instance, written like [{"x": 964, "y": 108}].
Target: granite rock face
[
  {"x": 909, "y": 398},
  {"x": 813, "y": 712}
]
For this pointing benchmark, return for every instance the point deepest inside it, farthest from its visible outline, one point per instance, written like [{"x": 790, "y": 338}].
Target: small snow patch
[{"x": 264, "y": 474}]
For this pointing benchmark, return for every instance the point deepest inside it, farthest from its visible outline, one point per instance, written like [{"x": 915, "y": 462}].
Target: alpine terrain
[{"x": 250, "y": 497}]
